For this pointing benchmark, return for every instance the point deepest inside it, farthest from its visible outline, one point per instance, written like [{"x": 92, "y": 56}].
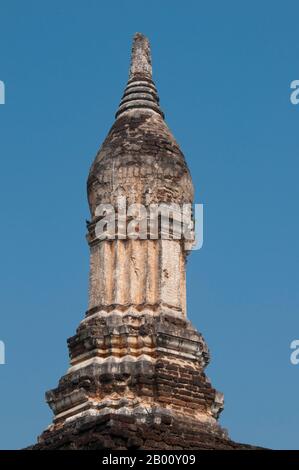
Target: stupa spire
[
  {"x": 141, "y": 63},
  {"x": 140, "y": 92},
  {"x": 136, "y": 378}
]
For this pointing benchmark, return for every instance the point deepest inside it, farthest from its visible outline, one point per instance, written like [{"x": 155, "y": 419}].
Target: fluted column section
[{"x": 137, "y": 274}]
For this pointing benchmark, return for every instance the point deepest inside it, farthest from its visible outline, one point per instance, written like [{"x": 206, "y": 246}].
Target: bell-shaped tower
[{"x": 136, "y": 376}]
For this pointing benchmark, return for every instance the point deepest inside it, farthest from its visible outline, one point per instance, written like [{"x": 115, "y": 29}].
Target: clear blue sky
[{"x": 223, "y": 71}]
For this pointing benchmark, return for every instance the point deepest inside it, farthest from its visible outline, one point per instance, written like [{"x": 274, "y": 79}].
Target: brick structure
[{"x": 136, "y": 376}]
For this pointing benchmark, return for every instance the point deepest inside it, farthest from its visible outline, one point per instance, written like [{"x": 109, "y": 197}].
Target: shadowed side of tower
[{"x": 136, "y": 377}]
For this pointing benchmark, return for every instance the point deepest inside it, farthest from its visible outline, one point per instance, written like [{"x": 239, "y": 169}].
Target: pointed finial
[
  {"x": 141, "y": 64},
  {"x": 140, "y": 92}
]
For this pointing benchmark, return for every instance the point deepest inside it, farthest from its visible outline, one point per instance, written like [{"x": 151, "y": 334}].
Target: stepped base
[{"x": 157, "y": 431}]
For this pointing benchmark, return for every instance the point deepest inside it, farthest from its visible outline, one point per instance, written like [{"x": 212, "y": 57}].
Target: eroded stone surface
[
  {"x": 152, "y": 431},
  {"x": 136, "y": 376}
]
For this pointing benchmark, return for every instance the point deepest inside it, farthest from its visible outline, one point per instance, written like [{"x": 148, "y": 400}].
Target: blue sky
[{"x": 223, "y": 71}]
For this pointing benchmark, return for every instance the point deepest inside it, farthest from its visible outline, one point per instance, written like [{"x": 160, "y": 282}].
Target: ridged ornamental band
[{"x": 139, "y": 94}]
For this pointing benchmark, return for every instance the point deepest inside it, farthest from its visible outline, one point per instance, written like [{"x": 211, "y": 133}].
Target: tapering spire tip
[
  {"x": 140, "y": 92},
  {"x": 141, "y": 63}
]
